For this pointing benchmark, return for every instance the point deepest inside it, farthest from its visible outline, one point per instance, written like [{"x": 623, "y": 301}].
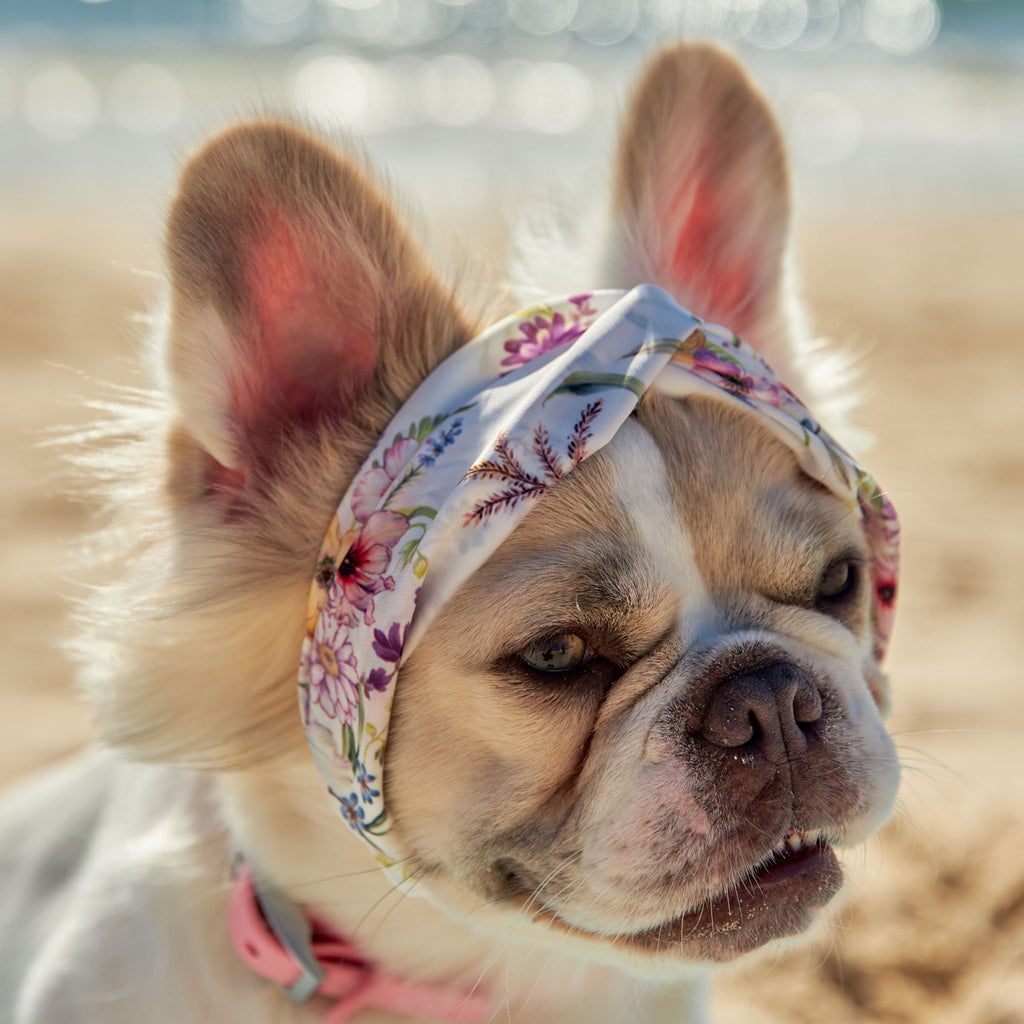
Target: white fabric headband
[{"x": 486, "y": 434}]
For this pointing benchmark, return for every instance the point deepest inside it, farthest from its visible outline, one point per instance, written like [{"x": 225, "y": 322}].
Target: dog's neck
[{"x": 300, "y": 844}]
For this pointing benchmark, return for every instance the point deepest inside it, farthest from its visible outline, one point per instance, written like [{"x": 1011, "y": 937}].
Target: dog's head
[{"x": 643, "y": 723}]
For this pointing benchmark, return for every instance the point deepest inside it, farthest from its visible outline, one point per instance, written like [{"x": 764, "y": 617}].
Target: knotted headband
[{"x": 488, "y": 433}]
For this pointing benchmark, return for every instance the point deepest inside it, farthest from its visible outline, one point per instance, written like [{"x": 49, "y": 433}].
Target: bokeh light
[
  {"x": 333, "y": 89},
  {"x": 778, "y": 23},
  {"x": 542, "y": 17},
  {"x": 352, "y": 5},
  {"x": 901, "y": 26},
  {"x": 455, "y": 89},
  {"x": 60, "y": 102},
  {"x": 826, "y": 128},
  {"x": 550, "y": 97},
  {"x": 821, "y": 28},
  {"x": 276, "y": 12},
  {"x": 147, "y": 99},
  {"x": 364, "y": 23},
  {"x": 545, "y": 68},
  {"x": 422, "y": 22},
  {"x": 606, "y": 22}
]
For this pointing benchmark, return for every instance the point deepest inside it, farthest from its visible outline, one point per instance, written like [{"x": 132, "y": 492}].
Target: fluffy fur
[{"x": 574, "y": 841}]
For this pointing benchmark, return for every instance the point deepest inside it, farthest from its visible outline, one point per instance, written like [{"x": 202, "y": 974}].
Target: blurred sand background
[{"x": 925, "y": 284}]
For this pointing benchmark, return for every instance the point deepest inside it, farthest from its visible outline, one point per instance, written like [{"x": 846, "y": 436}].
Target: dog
[{"x": 629, "y": 710}]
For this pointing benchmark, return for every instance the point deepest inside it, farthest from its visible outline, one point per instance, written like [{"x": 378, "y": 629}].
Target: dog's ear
[
  {"x": 302, "y": 315},
  {"x": 298, "y": 301},
  {"x": 701, "y": 194}
]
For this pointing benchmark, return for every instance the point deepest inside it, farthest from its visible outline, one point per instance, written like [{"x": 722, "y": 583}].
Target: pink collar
[{"x": 304, "y": 956}]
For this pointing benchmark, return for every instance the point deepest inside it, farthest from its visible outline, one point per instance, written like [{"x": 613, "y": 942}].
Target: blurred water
[{"x": 472, "y": 101}]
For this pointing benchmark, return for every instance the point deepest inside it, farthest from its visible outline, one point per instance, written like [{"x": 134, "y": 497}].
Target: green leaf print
[
  {"x": 348, "y": 743},
  {"x": 586, "y": 383},
  {"x": 379, "y": 825},
  {"x": 655, "y": 345}
]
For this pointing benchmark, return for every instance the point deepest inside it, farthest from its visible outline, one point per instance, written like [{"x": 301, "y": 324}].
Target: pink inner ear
[
  {"x": 308, "y": 341},
  {"x": 726, "y": 288}
]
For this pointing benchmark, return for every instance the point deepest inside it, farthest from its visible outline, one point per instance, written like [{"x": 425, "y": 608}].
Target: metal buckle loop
[{"x": 294, "y": 932}]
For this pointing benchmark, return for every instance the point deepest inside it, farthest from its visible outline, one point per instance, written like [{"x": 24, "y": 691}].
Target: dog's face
[
  {"x": 655, "y": 709},
  {"x": 641, "y": 726}
]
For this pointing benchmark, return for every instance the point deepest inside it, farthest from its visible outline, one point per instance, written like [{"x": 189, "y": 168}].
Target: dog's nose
[{"x": 768, "y": 710}]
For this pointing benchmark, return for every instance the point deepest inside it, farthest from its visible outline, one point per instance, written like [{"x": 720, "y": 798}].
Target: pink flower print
[
  {"x": 332, "y": 675},
  {"x": 538, "y": 336},
  {"x": 882, "y": 530},
  {"x": 582, "y": 304},
  {"x": 707, "y": 363},
  {"x": 729, "y": 374},
  {"x": 372, "y": 486},
  {"x": 885, "y": 591},
  {"x": 360, "y": 574}
]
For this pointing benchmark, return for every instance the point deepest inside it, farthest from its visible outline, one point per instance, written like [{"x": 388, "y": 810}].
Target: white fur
[{"x": 129, "y": 918}]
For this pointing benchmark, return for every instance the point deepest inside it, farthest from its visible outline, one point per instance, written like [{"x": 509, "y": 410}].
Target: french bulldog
[{"x": 626, "y": 745}]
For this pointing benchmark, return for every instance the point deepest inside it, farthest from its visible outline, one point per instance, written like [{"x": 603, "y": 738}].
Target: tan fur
[
  {"x": 698, "y": 131},
  {"x": 529, "y": 771},
  {"x": 582, "y": 820},
  {"x": 198, "y": 579}
]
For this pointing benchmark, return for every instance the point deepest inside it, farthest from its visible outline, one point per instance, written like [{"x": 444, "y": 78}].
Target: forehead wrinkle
[
  {"x": 757, "y": 522},
  {"x": 808, "y": 523},
  {"x": 590, "y": 581},
  {"x": 774, "y": 529}
]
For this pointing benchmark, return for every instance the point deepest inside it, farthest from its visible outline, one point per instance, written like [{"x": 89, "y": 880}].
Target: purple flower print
[
  {"x": 712, "y": 361},
  {"x": 372, "y": 485},
  {"x": 582, "y": 304},
  {"x": 707, "y": 363},
  {"x": 332, "y": 675},
  {"x": 516, "y": 483},
  {"x": 732, "y": 375},
  {"x": 538, "y": 336},
  {"x": 378, "y": 680},
  {"x": 389, "y": 645},
  {"x": 360, "y": 574}
]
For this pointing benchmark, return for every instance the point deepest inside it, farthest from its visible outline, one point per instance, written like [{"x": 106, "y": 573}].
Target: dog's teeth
[
  {"x": 810, "y": 838},
  {"x": 794, "y": 841}
]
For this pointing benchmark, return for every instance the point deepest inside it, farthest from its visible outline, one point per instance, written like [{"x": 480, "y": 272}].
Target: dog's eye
[
  {"x": 561, "y": 653},
  {"x": 839, "y": 580}
]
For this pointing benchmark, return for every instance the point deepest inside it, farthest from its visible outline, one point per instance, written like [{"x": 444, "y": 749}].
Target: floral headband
[{"x": 487, "y": 434}]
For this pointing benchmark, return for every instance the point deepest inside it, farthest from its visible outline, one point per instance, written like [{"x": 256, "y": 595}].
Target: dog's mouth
[{"x": 776, "y": 897}]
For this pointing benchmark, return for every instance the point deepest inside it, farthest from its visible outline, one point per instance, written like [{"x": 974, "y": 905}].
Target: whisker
[
  {"x": 396, "y": 890},
  {"x": 341, "y": 876}
]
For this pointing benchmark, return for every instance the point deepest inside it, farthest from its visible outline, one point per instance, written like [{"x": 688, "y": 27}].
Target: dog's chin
[{"x": 776, "y": 898}]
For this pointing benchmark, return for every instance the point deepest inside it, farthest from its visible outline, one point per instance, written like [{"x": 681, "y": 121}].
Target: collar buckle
[{"x": 294, "y": 932}]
